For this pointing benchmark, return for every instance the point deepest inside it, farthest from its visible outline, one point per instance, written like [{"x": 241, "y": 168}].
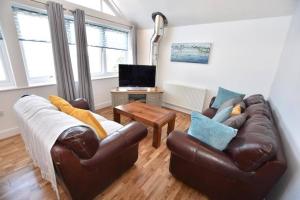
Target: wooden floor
[{"x": 149, "y": 178}]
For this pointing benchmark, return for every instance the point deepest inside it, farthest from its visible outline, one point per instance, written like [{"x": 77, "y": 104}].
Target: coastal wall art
[{"x": 190, "y": 52}]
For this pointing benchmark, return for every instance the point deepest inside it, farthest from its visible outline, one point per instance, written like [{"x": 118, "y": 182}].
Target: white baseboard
[
  {"x": 103, "y": 105},
  {"x": 178, "y": 108},
  {"x": 9, "y": 133}
]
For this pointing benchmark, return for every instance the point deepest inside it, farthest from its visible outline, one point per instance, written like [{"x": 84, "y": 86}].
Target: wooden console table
[{"x": 120, "y": 96}]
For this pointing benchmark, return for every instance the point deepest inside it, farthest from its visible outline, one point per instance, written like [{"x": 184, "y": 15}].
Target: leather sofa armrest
[
  {"x": 81, "y": 140},
  {"x": 116, "y": 143},
  {"x": 210, "y": 112},
  {"x": 192, "y": 150},
  {"x": 80, "y": 103},
  {"x": 212, "y": 101}
]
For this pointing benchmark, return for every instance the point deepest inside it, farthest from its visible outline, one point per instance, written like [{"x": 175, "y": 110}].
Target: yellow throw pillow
[
  {"x": 87, "y": 117},
  {"x": 83, "y": 115},
  {"x": 237, "y": 110},
  {"x": 59, "y": 102}
]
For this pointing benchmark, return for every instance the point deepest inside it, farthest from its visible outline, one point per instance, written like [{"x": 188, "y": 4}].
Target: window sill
[
  {"x": 4, "y": 89},
  {"x": 104, "y": 77},
  {"x": 26, "y": 87}
]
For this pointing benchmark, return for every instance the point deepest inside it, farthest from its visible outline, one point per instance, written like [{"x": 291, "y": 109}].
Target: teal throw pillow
[
  {"x": 223, "y": 114},
  {"x": 210, "y": 132},
  {"x": 224, "y": 95}
]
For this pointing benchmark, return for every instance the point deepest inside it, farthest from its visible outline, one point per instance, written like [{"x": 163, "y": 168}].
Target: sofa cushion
[
  {"x": 254, "y": 145},
  {"x": 259, "y": 109},
  {"x": 224, "y": 95},
  {"x": 236, "y": 121},
  {"x": 243, "y": 106},
  {"x": 110, "y": 126},
  {"x": 223, "y": 114},
  {"x": 210, "y": 132},
  {"x": 254, "y": 99},
  {"x": 231, "y": 102}
]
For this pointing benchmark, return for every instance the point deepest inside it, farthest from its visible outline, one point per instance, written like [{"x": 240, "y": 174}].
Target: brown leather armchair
[
  {"x": 86, "y": 165},
  {"x": 247, "y": 169}
]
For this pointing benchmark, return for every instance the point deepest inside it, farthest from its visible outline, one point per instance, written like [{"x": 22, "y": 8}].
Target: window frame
[
  {"x": 41, "y": 80},
  {"x": 9, "y": 81},
  {"x": 102, "y": 56},
  {"x": 104, "y": 71},
  {"x": 100, "y": 7},
  {"x": 106, "y": 67}
]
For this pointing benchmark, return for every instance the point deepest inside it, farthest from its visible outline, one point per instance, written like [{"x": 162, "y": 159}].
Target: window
[
  {"x": 5, "y": 71},
  {"x": 92, "y": 4},
  {"x": 35, "y": 41},
  {"x": 107, "y": 48},
  {"x": 69, "y": 23},
  {"x": 99, "y": 5},
  {"x": 116, "y": 52},
  {"x": 114, "y": 58},
  {"x": 111, "y": 44}
]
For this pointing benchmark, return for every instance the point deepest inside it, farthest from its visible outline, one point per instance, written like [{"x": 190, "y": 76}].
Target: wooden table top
[{"x": 146, "y": 113}]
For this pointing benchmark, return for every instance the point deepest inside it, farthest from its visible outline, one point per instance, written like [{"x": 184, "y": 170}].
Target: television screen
[{"x": 136, "y": 75}]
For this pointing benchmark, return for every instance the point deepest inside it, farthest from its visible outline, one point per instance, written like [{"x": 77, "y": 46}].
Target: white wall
[
  {"x": 244, "y": 54},
  {"x": 285, "y": 99}
]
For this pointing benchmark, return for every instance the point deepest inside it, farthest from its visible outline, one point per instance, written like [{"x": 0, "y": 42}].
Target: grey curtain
[
  {"x": 133, "y": 41},
  {"x": 62, "y": 61},
  {"x": 85, "y": 88}
]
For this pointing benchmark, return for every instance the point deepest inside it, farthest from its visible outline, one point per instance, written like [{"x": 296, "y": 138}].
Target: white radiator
[{"x": 189, "y": 98}]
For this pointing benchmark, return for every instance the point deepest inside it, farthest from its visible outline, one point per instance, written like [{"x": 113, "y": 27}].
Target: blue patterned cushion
[
  {"x": 223, "y": 114},
  {"x": 224, "y": 95},
  {"x": 210, "y": 132}
]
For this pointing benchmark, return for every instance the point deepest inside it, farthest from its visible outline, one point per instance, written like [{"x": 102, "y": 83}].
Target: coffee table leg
[
  {"x": 117, "y": 117},
  {"x": 156, "y": 137},
  {"x": 171, "y": 126}
]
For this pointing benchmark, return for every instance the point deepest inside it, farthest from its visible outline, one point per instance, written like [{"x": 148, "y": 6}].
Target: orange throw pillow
[
  {"x": 237, "y": 110},
  {"x": 83, "y": 115}
]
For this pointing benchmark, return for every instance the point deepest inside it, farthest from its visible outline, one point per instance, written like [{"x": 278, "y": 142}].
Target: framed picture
[{"x": 190, "y": 52}]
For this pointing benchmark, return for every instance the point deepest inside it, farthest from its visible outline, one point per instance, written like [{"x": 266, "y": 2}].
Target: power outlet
[{"x": 1, "y": 113}]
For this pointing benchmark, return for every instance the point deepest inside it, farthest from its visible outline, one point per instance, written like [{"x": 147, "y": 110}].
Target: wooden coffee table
[{"x": 148, "y": 114}]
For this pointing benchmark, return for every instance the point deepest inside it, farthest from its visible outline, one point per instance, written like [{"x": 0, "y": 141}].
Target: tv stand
[
  {"x": 136, "y": 88},
  {"x": 123, "y": 95}
]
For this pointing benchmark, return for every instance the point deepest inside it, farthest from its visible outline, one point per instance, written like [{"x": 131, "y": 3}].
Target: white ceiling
[{"x": 187, "y": 12}]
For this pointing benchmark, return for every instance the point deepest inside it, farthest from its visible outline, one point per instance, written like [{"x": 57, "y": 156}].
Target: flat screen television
[{"x": 137, "y": 75}]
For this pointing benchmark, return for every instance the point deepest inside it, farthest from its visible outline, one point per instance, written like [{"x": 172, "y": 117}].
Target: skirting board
[
  {"x": 103, "y": 105},
  {"x": 9, "y": 133}
]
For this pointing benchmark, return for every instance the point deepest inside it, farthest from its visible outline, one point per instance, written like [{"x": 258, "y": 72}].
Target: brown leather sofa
[
  {"x": 247, "y": 169},
  {"x": 86, "y": 165}
]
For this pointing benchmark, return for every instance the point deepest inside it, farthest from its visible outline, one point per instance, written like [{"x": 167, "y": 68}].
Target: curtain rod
[{"x": 111, "y": 21}]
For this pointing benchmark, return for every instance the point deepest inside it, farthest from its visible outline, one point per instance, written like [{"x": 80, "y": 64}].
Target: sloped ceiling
[{"x": 187, "y": 12}]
